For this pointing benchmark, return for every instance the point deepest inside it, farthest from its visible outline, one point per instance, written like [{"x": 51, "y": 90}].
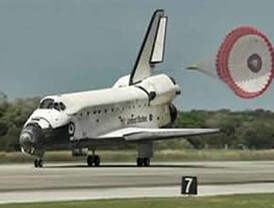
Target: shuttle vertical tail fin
[{"x": 152, "y": 49}]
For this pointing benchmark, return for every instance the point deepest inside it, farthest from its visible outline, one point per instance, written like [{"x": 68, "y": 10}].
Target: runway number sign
[{"x": 189, "y": 185}]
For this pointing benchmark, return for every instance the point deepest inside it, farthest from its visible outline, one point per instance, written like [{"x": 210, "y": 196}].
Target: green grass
[
  {"x": 233, "y": 201},
  {"x": 160, "y": 155}
]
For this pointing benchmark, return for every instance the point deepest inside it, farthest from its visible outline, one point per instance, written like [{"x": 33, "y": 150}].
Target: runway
[{"x": 74, "y": 181}]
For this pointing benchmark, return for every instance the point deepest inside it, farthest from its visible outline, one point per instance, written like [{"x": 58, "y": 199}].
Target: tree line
[{"x": 244, "y": 129}]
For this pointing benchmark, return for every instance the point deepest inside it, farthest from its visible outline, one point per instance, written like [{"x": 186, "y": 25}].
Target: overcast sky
[{"x": 56, "y": 46}]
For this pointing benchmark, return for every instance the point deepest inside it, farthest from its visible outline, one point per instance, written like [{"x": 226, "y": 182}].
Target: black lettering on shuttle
[{"x": 138, "y": 119}]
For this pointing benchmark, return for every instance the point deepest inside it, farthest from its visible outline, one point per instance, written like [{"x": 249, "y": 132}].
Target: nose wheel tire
[
  {"x": 38, "y": 163},
  {"x": 143, "y": 162},
  {"x": 93, "y": 160}
]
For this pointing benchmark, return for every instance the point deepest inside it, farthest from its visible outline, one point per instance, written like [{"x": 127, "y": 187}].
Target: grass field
[
  {"x": 161, "y": 155},
  {"x": 233, "y": 201}
]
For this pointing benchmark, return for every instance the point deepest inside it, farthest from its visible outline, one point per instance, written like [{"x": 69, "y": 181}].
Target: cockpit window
[
  {"x": 50, "y": 104},
  {"x": 56, "y": 106},
  {"x": 46, "y": 104},
  {"x": 62, "y": 106}
]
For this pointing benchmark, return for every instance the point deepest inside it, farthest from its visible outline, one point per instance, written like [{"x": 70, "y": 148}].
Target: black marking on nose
[{"x": 32, "y": 134}]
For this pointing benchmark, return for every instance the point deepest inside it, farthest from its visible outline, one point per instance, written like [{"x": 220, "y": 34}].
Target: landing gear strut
[
  {"x": 38, "y": 163},
  {"x": 93, "y": 160},
  {"x": 145, "y": 152},
  {"x": 143, "y": 162}
]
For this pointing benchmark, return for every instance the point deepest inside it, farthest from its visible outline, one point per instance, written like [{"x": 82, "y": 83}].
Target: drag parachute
[{"x": 245, "y": 61}]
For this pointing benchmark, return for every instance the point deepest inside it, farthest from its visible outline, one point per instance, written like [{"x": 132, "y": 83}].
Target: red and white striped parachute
[{"x": 245, "y": 61}]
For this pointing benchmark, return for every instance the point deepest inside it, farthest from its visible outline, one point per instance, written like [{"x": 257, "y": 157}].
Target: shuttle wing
[{"x": 146, "y": 134}]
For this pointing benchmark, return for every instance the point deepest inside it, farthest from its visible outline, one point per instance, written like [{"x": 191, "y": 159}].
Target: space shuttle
[{"x": 138, "y": 109}]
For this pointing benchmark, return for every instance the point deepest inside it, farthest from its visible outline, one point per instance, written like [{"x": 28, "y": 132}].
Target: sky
[{"x": 58, "y": 46}]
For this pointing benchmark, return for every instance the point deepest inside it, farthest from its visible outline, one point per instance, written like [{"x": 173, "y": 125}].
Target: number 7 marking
[{"x": 189, "y": 182}]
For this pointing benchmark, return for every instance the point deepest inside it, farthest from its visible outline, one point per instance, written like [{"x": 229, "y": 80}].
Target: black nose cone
[
  {"x": 27, "y": 139},
  {"x": 30, "y": 136}
]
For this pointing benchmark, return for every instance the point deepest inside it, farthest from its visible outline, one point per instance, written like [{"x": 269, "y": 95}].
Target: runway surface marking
[
  {"x": 111, "y": 193},
  {"x": 67, "y": 181}
]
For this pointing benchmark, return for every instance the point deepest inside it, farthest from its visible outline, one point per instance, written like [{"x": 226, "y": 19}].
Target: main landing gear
[
  {"x": 145, "y": 152},
  {"x": 143, "y": 162},
  {"x": 38, "y": 163},
  {"x": 93, "y": 160}
]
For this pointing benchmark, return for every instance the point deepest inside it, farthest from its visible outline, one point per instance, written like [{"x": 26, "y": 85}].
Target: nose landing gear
[{"x": 38, "y": 163}]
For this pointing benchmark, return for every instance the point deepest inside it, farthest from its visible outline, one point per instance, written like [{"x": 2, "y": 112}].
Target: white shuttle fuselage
[{"x": 136, "y": 109}]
